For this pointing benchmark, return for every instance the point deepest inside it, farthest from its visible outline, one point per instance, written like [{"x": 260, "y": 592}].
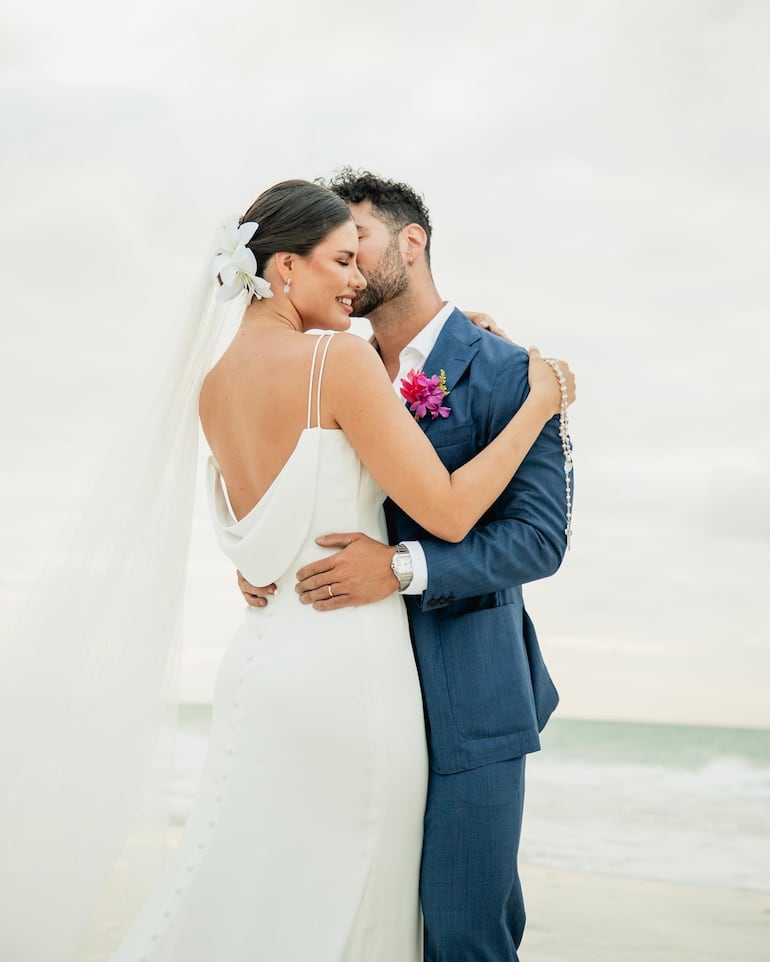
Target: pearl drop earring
[{"x": 287, "y": 286}]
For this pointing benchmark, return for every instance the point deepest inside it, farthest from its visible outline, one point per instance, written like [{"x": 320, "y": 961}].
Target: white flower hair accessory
[{"x": 235, "y": 264}]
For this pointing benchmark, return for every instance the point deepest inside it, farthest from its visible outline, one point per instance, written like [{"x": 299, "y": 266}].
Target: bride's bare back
[{"x": 253, "y": 408}]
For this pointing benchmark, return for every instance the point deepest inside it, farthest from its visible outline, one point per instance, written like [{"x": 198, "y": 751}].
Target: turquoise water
[
  {"x": 678, "y": 746},
  {"x": 675, "y": 803}
]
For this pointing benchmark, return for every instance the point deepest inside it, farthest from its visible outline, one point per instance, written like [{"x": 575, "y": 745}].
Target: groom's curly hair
[{"x": 394, "y": 203}]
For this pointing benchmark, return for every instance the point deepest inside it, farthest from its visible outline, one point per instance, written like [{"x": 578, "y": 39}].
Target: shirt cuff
[{"x": 419, "y": 582}]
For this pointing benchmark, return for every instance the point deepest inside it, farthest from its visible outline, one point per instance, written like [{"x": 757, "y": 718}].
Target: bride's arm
[{"x": 401, "y": 458}]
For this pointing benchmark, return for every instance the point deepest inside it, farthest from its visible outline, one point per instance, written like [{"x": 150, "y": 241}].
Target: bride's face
[{"x": 325, "y": 282}]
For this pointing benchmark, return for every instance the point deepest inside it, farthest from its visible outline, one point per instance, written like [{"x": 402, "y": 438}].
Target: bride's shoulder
[
  {"x": 208, "y": 384},
  {"x": 223, "y": 378},
  {"x": 354, "y": 375},
  {"x": 351, "y": 348},
  {"x": 216, "y": 374},
  {"x": 207, "y": 396},
  {"x": 352, "y": 358}
]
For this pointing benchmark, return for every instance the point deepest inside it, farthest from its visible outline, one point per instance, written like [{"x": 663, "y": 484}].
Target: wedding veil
[{"x": 88, "y": 682}]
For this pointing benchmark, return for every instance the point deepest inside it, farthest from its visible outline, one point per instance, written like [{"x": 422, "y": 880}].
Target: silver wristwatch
[{"x": 402, "y": 567}]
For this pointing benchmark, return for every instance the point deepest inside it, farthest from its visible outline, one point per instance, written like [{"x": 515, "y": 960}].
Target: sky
[{"x": 597, "y": 174}]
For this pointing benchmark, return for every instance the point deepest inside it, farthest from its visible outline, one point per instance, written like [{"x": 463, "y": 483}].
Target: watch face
[{"x": 402, "y": 568}]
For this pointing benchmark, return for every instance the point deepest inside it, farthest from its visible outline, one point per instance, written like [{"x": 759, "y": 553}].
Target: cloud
[{"x": 597, "y": 175}]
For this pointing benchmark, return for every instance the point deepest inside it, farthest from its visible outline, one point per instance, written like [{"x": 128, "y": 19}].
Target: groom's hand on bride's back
[{"x": 358, "y": 574}]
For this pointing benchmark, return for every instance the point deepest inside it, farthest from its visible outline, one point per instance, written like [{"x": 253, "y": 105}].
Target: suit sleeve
[{"x": 522, "y": 537}]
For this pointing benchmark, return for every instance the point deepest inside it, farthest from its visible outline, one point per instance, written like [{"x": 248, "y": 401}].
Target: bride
[{"x": 305, "y": 837}]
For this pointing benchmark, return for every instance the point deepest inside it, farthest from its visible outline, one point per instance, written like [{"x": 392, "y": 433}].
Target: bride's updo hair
[{"x": 293, "y": 216}]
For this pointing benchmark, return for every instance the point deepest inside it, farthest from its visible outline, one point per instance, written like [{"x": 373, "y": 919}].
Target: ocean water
[
  {"x": 671, "y": 803},
  {"x": 674, "y": 803}
]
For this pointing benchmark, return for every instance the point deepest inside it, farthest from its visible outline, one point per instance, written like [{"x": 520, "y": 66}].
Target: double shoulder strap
[{"x": 327, "y": 339}]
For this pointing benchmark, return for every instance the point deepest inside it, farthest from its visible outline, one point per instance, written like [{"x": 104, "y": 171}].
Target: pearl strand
[{"x": 565, "y": 445}]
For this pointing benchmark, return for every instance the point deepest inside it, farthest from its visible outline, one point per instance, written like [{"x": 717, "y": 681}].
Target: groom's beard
[{"x": 387, "y": 281}]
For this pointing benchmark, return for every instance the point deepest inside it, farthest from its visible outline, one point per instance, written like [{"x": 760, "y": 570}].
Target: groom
[{"x": 486, "y": 690}]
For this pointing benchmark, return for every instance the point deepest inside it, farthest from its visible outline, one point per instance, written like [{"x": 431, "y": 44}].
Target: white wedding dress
[{"x": 304, "y": 842}]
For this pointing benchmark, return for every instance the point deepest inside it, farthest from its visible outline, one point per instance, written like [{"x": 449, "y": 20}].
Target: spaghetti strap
[
  {"x": 320, "y": 376},
  {"x": 310, "y": 382},
  {"x": 328, "y": 337}
]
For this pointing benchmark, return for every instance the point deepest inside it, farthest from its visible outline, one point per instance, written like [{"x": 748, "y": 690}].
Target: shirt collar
[{"x": 417, "y": 350}]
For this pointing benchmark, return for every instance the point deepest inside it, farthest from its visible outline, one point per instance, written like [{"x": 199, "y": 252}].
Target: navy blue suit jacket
[{"x": 486, "y": 689}]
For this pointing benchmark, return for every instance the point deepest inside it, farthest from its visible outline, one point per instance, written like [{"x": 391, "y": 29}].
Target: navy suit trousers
[{"x": 469, "y": 886}]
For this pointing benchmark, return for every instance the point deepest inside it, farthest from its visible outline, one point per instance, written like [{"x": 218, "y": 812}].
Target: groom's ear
[{"x": 413, "y": 241}]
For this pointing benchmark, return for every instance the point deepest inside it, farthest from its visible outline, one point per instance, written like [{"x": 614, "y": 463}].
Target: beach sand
[{"x": 575, "y": 917}]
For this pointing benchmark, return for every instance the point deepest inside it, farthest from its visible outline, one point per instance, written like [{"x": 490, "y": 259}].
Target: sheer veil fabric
[{"x": 88, "y": 680}]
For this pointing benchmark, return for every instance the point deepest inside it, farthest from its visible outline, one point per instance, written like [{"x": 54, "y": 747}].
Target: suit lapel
[{"x": 455, "y": 348}]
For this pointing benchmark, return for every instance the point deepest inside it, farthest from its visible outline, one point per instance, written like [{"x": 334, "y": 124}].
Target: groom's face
[{"x": 380, "y": 260}]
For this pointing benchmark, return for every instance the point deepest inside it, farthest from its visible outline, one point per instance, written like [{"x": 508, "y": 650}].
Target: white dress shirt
[{"x": 413, "y": 358}]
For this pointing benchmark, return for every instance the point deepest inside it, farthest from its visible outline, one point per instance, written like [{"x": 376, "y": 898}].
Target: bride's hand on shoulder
[
  {"x": 487, "y": 323},
  {"x": 544, "y": 383}
]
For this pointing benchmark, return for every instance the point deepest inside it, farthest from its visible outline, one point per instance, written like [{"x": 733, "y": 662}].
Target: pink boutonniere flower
[{"x": 424, "y": 394}]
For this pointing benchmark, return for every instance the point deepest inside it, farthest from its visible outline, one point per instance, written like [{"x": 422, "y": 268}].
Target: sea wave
[{"x": 705, "y": 826}]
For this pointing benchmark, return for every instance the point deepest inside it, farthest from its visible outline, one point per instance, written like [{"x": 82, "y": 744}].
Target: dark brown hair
[
  {"x": 293, "y": 216},
  {"x": 395, "y": 204}
]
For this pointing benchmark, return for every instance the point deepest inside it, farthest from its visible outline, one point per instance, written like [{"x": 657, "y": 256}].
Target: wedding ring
[{"x": 331, "y": 593}]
